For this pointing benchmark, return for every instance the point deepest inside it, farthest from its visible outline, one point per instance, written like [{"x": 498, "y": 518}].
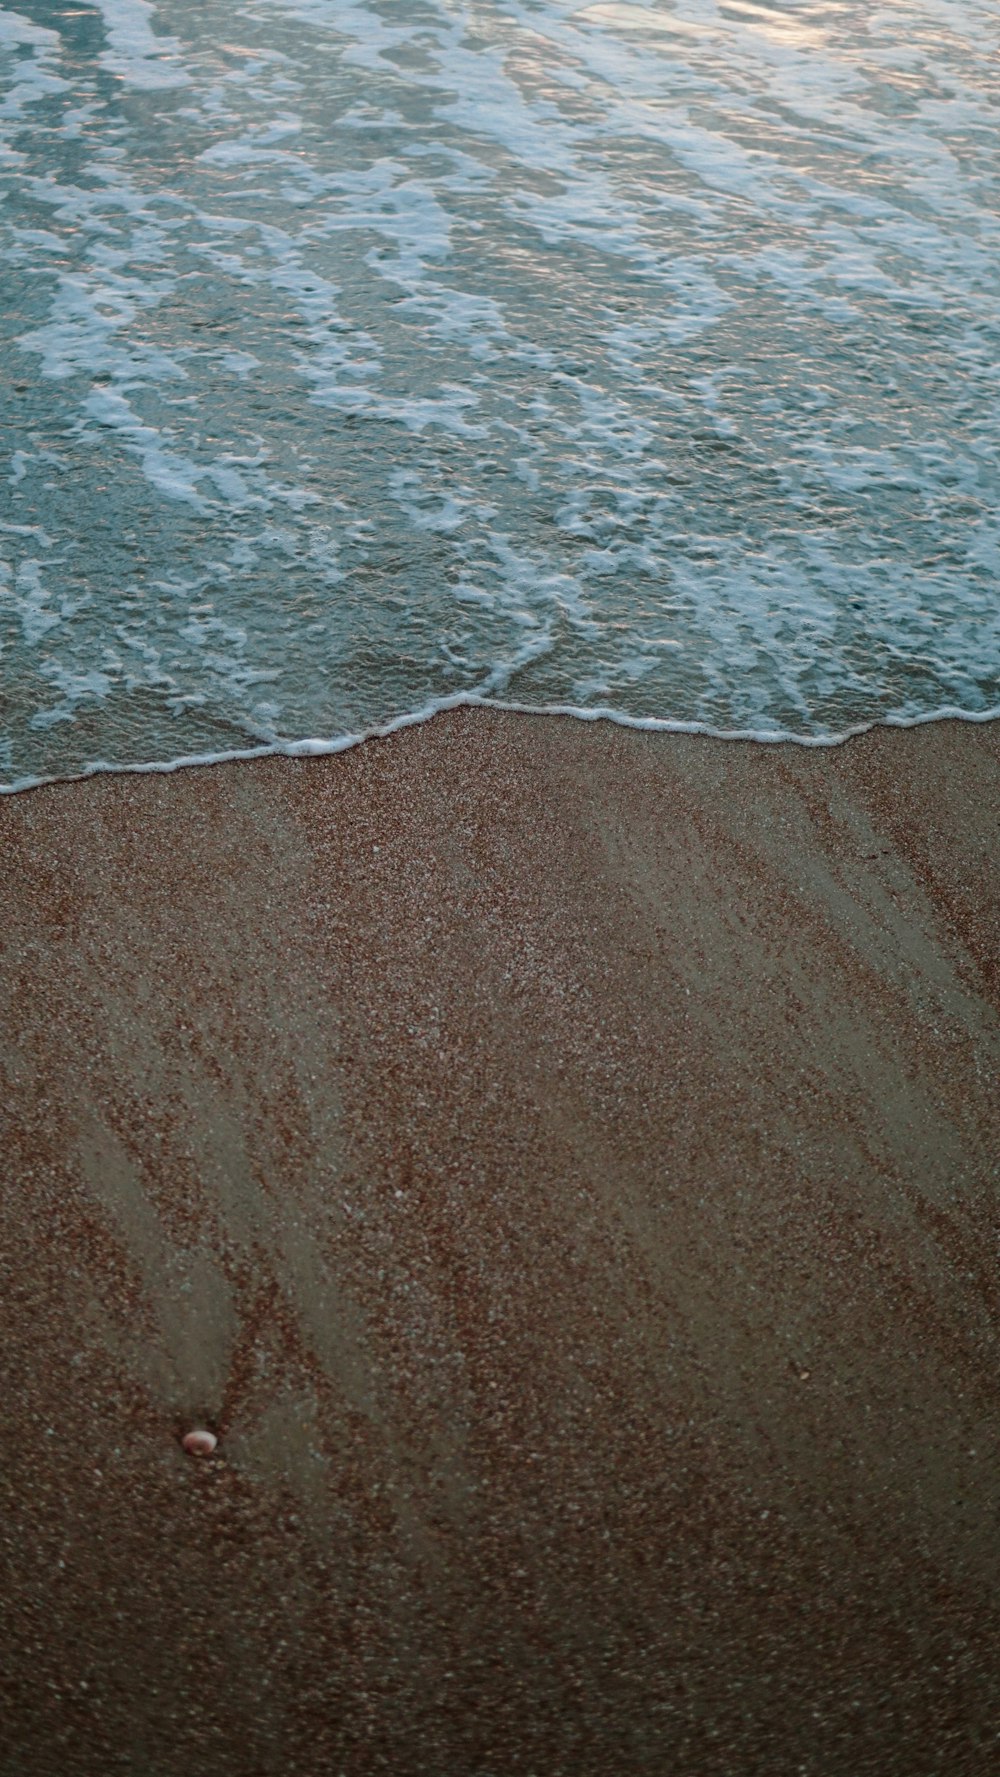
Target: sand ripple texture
[{"x": 638, "y": 357}]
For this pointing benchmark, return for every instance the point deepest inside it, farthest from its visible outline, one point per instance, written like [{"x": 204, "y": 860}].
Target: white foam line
[
  {"x": 15, "y": 29},
  {"x": 137, "y": 55},
  {"x": 321, "y": 749}
]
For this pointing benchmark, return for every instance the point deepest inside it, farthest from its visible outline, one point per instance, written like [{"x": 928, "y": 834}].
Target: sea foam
[{"x": 627, "y": 360}]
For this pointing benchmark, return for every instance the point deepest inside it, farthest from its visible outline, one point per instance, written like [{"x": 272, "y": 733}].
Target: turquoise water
[{"x": 360, "y": 358}]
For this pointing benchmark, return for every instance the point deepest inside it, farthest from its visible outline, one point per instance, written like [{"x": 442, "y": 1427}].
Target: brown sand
[{"x": 560, "y": 1164}]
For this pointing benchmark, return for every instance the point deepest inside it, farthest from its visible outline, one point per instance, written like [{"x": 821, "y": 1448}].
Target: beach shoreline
[{"x": 559, "y": 1164}]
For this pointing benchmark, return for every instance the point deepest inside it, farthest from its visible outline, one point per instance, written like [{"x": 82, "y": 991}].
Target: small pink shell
[{"x": 199, "y": 1443}]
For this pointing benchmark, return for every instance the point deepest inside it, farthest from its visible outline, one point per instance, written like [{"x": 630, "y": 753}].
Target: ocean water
[{"x": 365, "y": 356}]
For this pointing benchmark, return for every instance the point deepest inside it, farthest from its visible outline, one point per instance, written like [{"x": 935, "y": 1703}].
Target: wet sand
[{"x": 560, "y": 1164}]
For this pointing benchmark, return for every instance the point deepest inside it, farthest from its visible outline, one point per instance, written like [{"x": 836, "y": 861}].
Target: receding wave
[{"x": 636, "y": 360}]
